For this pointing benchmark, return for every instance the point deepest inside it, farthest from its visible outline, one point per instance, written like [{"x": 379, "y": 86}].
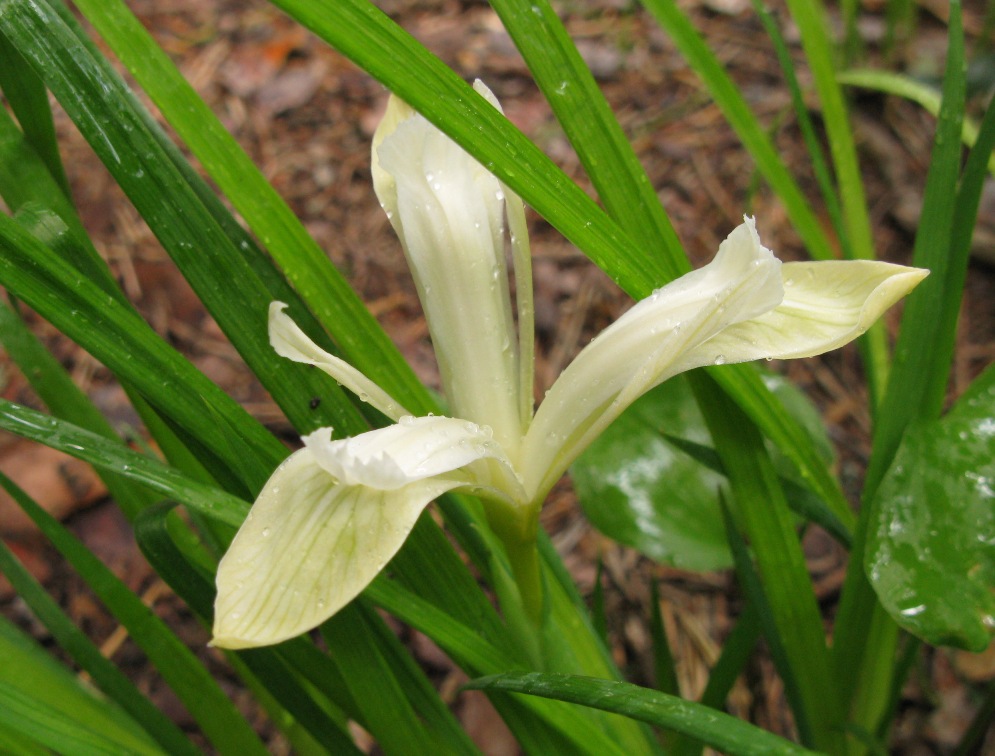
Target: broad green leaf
[
  {"x": 637, "y": 488},
  {"x": 715, "y": 728},
  {"x": 931, "y": 551},
  {"x": 41, "y": 699}
]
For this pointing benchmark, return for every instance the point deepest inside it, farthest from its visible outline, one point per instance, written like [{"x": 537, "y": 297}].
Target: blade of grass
[
  {"x": 26, "y": 95},
  {"x": 42, "y": 700},
  {"x": 111, "y": 680},
  {"x": 737, "y": 112},
  {"x": 720, "y": 730},
  {"x": 762, "y": 512},
  {"x": 109, "y": 119}
]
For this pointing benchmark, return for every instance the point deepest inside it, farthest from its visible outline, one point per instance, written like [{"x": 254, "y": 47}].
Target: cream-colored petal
[
  {"x": 639, "y": 350},
  {"x": 291, "y": 342},
  {"x": 413, "y": 449},
  {"x": 826, "y": 305},
  {"x": 309, "y": 546},
  {"x": 449, "y": 214}
]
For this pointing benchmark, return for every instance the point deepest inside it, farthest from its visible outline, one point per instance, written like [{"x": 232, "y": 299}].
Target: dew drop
[{"x": 720, "y": 359}]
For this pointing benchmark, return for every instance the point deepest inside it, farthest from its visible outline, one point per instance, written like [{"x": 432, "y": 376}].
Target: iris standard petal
[{"x": 449, "y": 214}]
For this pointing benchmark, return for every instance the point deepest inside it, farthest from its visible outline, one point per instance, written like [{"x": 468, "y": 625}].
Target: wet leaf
[
  {"x": 931, "y": 554},
  {"x": 638, "y": 488}
]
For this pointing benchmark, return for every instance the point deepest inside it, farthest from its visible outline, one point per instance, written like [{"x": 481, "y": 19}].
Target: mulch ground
[{"x": 306, "y": 115}]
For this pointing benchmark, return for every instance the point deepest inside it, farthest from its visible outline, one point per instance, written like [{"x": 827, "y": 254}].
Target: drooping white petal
[
  {"x": 291, "y": 342},
  {"x": 639, "y": 350},
  {"x": 448, "y": 211},
  {"x": 334, "y": 513},
  {"x": 308, "y": 547}
]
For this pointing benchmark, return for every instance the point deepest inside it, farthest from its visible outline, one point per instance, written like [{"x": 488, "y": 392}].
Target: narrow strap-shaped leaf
[
  {"x": 761, "y": 510},
  {"x": 383, "y": 686},
  {"x": 111, "y": 680},
  {"x": 112, "y": 455},
  {"x": 801, "y": 500},
  {"x": 915, "y": 391},
  {"x": 823, "y": 175},
  {"x": 110, "y": 120},
  {"x": 919, "y": 92},
  {"x": 810, "y": 16},
  {"x": 726, "y": 733},
  {"x": 181, "y": 670},
  {"x": 44, "y": 701},
  {"x": 26, "y": 95},
  {"x": 335, "y": 303},
  {"x": 813, "y": 25},
  {"x": 592, "y": 128},
  {"x": 53, "y": 385},
  {"x": 478, "y": 657},
  {"x": 126, "y": 344},
  {"x": 361, "y": 32},
  {"x": 753, "y": 136}
]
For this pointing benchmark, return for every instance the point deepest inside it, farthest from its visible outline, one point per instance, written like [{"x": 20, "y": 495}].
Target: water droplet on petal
[{"x": 720, "y": 359}]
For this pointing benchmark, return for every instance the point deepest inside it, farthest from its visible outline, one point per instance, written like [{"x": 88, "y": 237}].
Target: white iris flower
[{"x": 335, "y": 512}]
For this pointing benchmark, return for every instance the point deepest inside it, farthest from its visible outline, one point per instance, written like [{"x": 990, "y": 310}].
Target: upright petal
[
  {"x": 448, "y": 211},
  {"x": 329, "y": 519}
]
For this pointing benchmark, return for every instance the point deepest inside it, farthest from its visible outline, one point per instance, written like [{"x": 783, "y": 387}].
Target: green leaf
[
  {"x": 113, "y": 455},
  {"x": 116, "y": 127},
  {"x": 637, "y": 488},
  {"x": 737, "y": 112},
  {"x": 902, "y": 85},
  {"x": 715, "y": 728},
  {"x": 592, "y": 128},
  {"x": 107, "y": 677},
  {"x": 363, "y": 342},
  {"x": 44, "y": 701},
  {"x": 760, "y": 510},
  {"x": 26, "y": 95},
  {"x": 931, "y": 551}
]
